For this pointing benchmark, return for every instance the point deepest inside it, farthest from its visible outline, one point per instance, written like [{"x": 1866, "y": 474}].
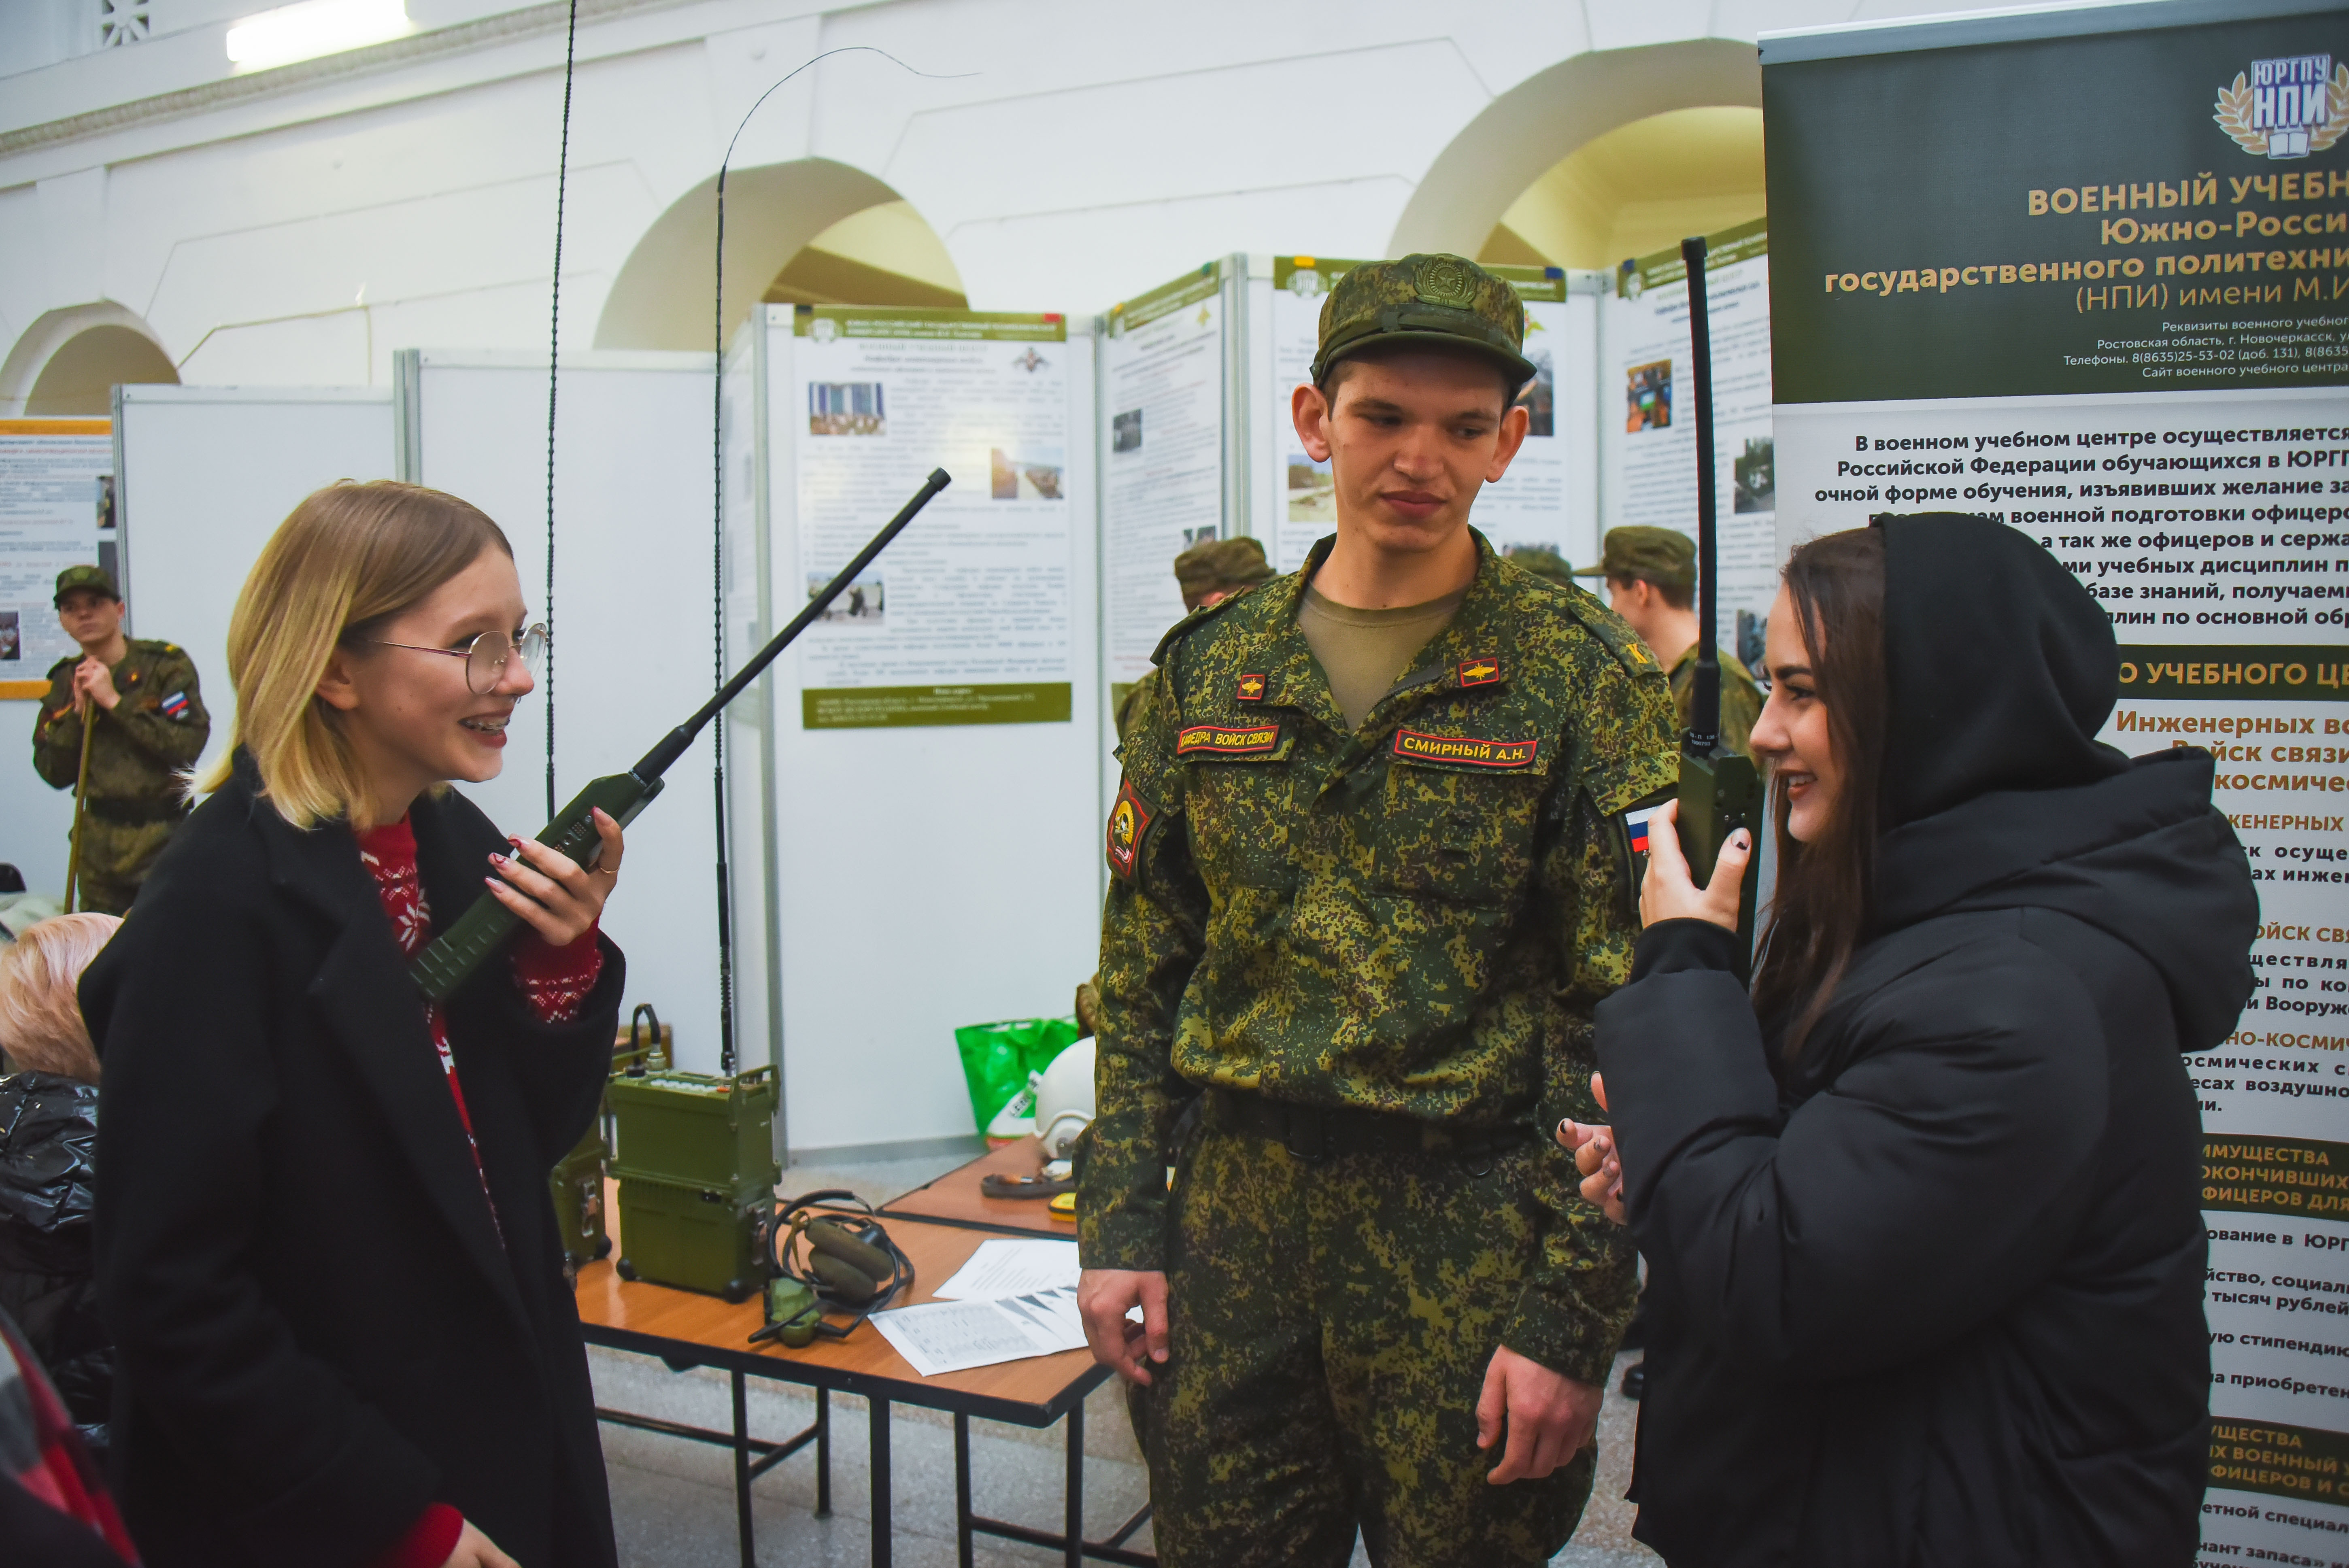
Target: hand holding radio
[
  {"x": 551, "y": 893},
  {"x": 1667, "y": 892}
]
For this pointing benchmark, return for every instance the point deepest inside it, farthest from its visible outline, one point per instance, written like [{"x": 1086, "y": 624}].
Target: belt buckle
[{"x": 1298, "y": 1117}]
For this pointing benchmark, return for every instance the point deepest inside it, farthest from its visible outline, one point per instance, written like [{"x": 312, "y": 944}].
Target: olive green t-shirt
[{"x": 1363, "y": 653}]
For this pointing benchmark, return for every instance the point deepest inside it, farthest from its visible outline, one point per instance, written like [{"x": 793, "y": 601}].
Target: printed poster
[
  {"x": 2112, "y": 315},
  {"x": 57, "y": 510},
  {"x": 1162, "y": 392},
  {"x": 964, "y": 618},
  {"x": 1652, "y": 444}
]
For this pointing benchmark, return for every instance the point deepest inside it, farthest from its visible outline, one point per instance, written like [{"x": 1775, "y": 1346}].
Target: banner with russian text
[{"x": 2087, "y": 272}]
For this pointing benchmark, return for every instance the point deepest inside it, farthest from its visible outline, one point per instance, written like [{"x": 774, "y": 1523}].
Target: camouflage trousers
[
  {"x": 115, "y": 860},
  {"x": 1330, "y": 1323}
]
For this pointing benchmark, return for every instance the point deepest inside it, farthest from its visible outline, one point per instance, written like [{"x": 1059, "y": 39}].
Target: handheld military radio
[
  {"x": 441, "y": 968},
  {"x": 1719, "y": 791}
]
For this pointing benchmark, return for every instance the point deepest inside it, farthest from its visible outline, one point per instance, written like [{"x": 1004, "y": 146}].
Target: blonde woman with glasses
[{"x": 324, "y": 1244}]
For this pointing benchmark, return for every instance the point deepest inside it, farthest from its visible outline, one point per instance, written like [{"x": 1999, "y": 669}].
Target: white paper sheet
[
  {"x": 1013, "y": 1268},
  {"x": 955, "y": 1336}
]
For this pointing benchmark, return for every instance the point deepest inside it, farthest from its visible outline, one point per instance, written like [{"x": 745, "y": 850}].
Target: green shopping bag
[{"x": 997, "y": 1064}]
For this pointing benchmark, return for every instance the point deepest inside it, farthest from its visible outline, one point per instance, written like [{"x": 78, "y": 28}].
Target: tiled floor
[{"x": 672, "y": 1500}]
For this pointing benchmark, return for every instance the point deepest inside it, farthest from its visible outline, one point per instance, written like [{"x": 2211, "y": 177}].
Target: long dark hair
[{"x": 1826, "y": 894}]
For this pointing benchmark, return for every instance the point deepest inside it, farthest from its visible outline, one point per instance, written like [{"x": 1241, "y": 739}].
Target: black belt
[
  {"x": 1320, "y": 1133},
  {"x": 132, "y": 812}
]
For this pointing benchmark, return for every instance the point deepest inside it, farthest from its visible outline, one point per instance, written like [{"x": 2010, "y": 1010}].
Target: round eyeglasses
[{"x": 485, "y": 657}]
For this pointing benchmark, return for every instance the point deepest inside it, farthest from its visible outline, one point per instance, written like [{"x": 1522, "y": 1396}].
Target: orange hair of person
[{"x": 41, "y": 1025}]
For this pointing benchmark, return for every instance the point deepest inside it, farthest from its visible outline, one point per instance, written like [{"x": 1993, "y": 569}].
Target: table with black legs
[{"x": 684, "y": 1330}]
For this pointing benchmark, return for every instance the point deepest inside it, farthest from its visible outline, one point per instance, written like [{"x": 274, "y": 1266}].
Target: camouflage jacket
[
  {"x": 158, "y": 727},
  {"x": 1415, "y": 917},
  {"x": 1740, "y": 699}
]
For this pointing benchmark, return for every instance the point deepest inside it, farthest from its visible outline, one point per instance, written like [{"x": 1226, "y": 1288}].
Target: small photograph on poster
[
  {"x": 12, "y": 641},
  {"x": 1520, "y": 547},
  {"x": 1539, "y": 399},
  {"x": 846, "y": 408},
  {"x": 1649, "y": 397},
  {"x": 1125, "y": 431},
  {"x": 1204, "y": 534},
  {"x": 105, "y": 501},
  {"x": 1033, "y": 475},
  {"x": 1312, "y": 493},
  {"x": 859, "y": 606},
  {"x": 1752, "y": 632},
  {"x": 1755, "y": 475}
]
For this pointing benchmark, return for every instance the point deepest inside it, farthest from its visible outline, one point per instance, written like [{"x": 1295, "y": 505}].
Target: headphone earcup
[
  {"x": 835, "y": 1238},
  {"x": 844, "y": 1279}
]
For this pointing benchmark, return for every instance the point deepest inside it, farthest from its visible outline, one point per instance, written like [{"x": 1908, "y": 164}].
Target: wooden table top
[
  {"x": 685, "y": 1326},
  {"x": 956, "y": 1196}
]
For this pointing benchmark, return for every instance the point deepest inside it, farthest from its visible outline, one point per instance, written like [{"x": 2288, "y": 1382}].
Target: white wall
[
  {"x": 295, "y": 227},
  {"x": 632, "y": 595}
]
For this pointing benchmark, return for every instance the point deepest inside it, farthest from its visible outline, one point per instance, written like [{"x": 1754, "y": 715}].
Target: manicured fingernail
[
  {"x": 1739, "y": 839},
  {"x": 497, "y": 859}
]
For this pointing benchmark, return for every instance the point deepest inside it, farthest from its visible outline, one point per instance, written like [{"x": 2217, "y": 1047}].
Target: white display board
[
  {"x": 633, "y": 628},
  {"x": 1161, "y": 436},
  {"x": 207, "y": 474},
  {"x": 57, "y": 510},
  {"x": 1650, "y": 453},
  {"x": 934, "y": 865}
]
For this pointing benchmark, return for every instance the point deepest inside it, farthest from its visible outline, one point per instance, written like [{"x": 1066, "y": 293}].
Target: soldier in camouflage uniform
[
  {"x": 1360, "y": 915},
  {"x": 150, "y": 725},
  {"x": 1650, "y": 576}
]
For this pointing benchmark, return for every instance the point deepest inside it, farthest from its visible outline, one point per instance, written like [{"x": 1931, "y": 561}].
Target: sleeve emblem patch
[
  {"x": 1251, "y": 688},
  {"x": 1479, "y": 671},
  {"x": 1414, "y": 747},
  {"x": 1128, "y": 821},
  {"x": 1227, "y": 740},
  {"x": 175, "y": 706}
]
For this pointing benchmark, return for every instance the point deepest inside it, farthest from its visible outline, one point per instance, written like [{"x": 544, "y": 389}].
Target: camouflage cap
[
  {"x": 1547, "y": 563},
  {"x": 1665, "y": 556},
  {"x": 1438, "y": 299},
  {"x": 1220, "y": 563},
  {"x": 93, "y": 577}
]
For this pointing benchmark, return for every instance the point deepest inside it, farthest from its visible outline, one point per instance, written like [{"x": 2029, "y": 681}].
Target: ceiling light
[{"x": 318, "y": 28}]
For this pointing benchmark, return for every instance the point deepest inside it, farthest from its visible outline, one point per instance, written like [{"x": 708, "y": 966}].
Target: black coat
[
  {"x": 1933, "y": 1293},
  {"x": 318, "y": 1328},
  {"x": 48, "y": 1129}
]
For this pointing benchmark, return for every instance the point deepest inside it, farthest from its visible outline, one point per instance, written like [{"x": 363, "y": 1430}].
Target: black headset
[{"x": 848, "y": 1261}]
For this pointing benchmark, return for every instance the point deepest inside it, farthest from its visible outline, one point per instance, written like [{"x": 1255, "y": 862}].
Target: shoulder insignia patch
[
  {"x": 1129, "y": 820},
  {"x": 1414, "y": 747},
  {"x": 1479, "y": 671},
  {"x": 1227, "y": 739},
  {"x": 1251, "y": 688},
  {"x": 175, "y": 706}
]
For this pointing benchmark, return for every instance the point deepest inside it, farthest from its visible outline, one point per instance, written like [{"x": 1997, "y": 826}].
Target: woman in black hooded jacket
[{"x": 1922, "y": 1213}]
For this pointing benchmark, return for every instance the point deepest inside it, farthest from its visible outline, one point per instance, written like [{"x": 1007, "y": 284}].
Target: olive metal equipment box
[
  {"x": 695, "y": 1157},
  {"x": 576, "y": 1183}
]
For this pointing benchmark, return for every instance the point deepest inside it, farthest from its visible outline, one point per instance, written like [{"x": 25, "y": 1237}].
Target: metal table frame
[{"x": 1068, "y": 1405}]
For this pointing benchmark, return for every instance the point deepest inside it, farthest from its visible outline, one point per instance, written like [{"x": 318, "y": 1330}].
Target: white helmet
[{"x": 1064, "y": 1100}]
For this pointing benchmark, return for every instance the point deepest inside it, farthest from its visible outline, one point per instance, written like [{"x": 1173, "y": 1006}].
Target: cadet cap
[
  {"x": 1221, "y": 564},
  {"x": 1439, "y": 299},
  {"x": 91, "y": 577},
  {"x": 1664, "y": 556},
  {"x": 1547, "y": 563}
]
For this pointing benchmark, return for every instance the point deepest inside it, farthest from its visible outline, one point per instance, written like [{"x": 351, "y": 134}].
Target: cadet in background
[
  {"x": 1650, "y": 576},
  {"x": 1369, "y": 877},
  {"x": 1207, "y": 572},
  {"x": 151, "y": 724}
]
